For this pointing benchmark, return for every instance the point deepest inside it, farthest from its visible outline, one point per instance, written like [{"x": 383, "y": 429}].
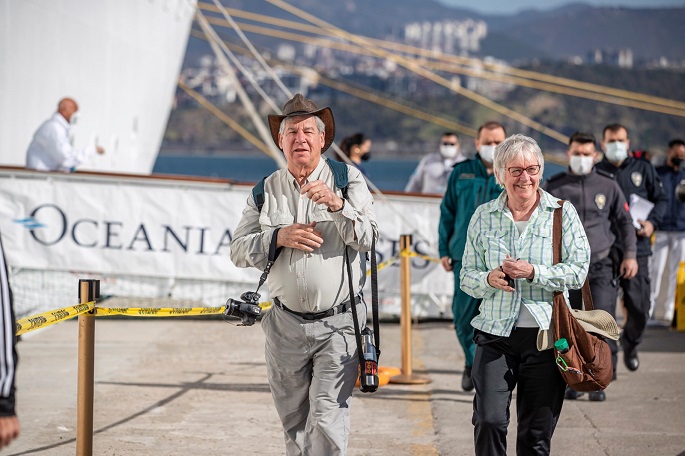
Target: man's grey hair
[
  {"x": 286, "y": 120},
  {"x": 514, "y": 147}
]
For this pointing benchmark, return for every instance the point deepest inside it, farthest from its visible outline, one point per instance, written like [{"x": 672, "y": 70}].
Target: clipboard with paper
[{"x": 639, "y": 209}]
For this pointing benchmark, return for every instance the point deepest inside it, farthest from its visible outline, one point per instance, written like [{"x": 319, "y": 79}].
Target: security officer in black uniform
[
  {"x": 603, "y": 210},
  {"x": 634, "y": 177}
]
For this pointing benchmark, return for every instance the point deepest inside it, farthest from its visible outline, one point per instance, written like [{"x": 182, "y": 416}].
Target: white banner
[{"x": 182, "y": 230}]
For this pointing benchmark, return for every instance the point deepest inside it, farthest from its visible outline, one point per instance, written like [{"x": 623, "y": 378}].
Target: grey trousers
[{"x": 312, "y": 371}]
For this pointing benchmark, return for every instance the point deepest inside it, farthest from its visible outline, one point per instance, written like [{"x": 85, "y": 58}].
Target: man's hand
[
  {"x": 9, "y": 430},
  {"x": 628, "y": 268},
  {"x": 99, "y": 149},
  {"x": 320, "y": 193},
  {"x": 299, "y": 236},
  {"x": 445, "y": 261},
  {"x": 647, "y": 228}
]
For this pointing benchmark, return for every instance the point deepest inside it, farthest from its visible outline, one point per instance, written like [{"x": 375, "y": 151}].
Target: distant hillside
[
  {"x": 650, "y": 33},
  {"x": 574, "y": 29}
]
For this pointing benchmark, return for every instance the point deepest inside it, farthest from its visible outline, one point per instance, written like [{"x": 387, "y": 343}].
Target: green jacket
[{"x": 468, "y": 187}]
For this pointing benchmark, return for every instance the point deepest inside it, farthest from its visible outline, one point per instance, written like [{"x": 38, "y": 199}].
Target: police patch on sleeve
[
  {"x": 636, "y": 177},
  {"x": 600, "y": 200}
]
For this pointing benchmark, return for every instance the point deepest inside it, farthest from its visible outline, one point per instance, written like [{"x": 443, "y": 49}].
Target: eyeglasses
[
  {"x": 449, "y": 144},
  {"x": 531, "y": 170}
]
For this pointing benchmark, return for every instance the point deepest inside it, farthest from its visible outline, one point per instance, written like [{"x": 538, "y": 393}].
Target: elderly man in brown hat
[{"x": 299, "y": 234}]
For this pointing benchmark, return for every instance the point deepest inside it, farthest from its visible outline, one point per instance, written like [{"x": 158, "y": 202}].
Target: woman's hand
[
  {"x": 517, "y": 268},
  {"x": 496, "y": 279}
]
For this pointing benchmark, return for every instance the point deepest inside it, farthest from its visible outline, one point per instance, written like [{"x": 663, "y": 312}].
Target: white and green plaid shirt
[{"x": 492, "y": 235}]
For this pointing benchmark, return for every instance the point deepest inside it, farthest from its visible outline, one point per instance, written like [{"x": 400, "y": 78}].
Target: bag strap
[{"x": 556, "y": 243}]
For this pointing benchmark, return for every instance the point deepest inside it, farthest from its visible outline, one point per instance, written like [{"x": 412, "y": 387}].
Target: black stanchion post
[{"x": 88, "y": 291}]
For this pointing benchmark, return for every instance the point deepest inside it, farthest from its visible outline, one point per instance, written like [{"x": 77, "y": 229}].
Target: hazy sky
[{"x": 509, "y": 6}]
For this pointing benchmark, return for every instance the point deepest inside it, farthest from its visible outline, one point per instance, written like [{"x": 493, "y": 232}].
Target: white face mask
[
  {"x": 616, "y": 151},
  {"x": 487, "y": 153},
  {"x": 580, "y": 164},
  {"x": 449, "y": 151}
]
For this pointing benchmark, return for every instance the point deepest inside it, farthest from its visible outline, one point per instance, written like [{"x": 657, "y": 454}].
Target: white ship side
[{"x": 120, "y": 59}]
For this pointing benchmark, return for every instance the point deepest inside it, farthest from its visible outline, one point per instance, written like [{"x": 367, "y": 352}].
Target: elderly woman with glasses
[{"x": 508, "y": 264}]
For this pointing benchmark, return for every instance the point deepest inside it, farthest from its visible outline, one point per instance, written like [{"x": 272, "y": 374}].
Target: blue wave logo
[{"x": 29, "y": 223}]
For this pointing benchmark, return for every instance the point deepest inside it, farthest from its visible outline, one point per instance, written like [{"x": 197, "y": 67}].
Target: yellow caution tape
[
  {"x": 408, "y": 253},
  {"x": 46, "y": 319},
  {"x": 165, "y": 311},
  {"x": 158, "y": 311}
]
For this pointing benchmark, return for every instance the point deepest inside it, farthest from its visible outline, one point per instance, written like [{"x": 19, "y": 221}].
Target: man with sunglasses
[
  {"x": 603, "y": 210},
  {"x": 470, "y": 184},
  {"x": 432, "y": 172}
]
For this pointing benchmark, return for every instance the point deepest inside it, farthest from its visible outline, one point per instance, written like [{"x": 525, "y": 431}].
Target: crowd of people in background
[{"x": 629, "y": 257}]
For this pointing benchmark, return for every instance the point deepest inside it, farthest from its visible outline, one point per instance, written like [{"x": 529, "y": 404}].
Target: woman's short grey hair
[
  {"x": 319, "y": 124},
  {"x": 514, "y": 147}
]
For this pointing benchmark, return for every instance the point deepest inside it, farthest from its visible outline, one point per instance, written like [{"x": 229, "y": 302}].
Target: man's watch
[{"x": 341, "y": 207}]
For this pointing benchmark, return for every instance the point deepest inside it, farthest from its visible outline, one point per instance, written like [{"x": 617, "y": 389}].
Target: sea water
[{"x": 386, "y": 174}]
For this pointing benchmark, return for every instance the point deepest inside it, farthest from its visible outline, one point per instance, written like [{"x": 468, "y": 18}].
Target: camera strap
[
  {"x": 374, "y": 303},
  {"x": 273, "y": 254}
]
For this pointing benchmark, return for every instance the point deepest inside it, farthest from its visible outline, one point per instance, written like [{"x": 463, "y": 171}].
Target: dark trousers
[
  {"x": 603, "y": 293},
  {"x": 500, "y": 365},
  {"x": 636, "y": 299}
]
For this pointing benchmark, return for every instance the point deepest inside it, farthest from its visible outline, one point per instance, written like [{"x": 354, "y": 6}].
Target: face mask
[
  {"x": 366, "y": 156},
  {"x": 487, "y": 153},
  {"x": 617, "y": 151},
  {"x": 449, "y": 151},
  {"x": 580, "y": 165},
  {"x": 74, "y": 119},
  {"x": 676, "y": 161}
]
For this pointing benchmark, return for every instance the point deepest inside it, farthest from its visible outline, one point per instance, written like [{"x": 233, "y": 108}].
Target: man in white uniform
[
  {"x": 434, "y": 169},
  {"x": 51, "y": 149}
]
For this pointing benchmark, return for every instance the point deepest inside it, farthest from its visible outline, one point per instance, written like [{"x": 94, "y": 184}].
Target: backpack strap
[
  {"x": 339, "y": 170},
  {"x": 258, "y": 194}
]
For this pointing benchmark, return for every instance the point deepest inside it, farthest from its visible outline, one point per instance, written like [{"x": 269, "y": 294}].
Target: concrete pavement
[{"x": 168, "y": 386}]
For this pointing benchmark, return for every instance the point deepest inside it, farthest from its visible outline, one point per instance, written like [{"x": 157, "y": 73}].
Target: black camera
[
  {"x": 247, "y": 310},
  {"x": 509, "y": 280}
]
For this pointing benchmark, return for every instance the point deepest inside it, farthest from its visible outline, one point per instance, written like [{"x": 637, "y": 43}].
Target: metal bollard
[
  {"x": 89, "y": 290},
  {"x": 406, "y": 377}
]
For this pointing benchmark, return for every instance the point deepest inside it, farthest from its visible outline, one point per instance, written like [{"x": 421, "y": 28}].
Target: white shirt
[
  {"x": 51, "y": 149},
  {"x": 432, "y": 173}
]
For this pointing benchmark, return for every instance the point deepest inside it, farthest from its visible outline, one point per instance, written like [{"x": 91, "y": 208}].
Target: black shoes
[
  {"x": 630, "y": 359},
  {"x": 594, "y": 396},
  {"x": 466, "y": 382},
  {"x": 572, "y": 394},
  {"x": 597, "y": 396}
]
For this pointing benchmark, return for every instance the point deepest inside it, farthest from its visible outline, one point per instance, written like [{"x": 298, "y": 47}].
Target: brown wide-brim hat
[{"x": 301, "y": 106}]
